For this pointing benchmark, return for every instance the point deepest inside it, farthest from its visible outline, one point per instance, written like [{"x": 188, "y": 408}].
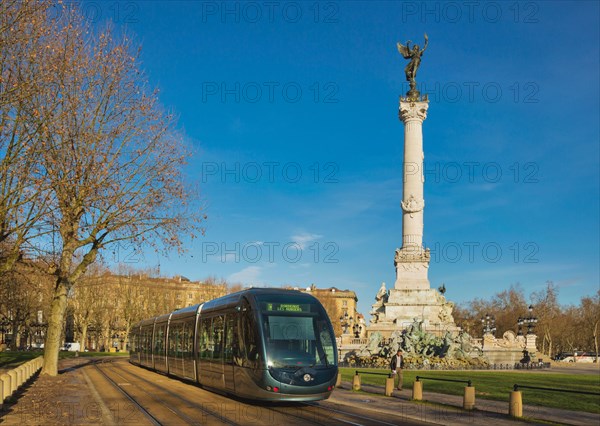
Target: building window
[
  {"x": 190, "y": 296},
  {"x": 345, "y": 303}
]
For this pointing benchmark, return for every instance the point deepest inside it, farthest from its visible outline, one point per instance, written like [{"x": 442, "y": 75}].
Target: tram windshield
[{"x": 297, "y": 332}]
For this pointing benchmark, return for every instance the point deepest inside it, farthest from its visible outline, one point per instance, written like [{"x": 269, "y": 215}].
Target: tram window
[
  {"x": 183, "y": 340},
  {"x": 219, "y": 334},
  {"x": 297, "y": 341},
  {"x": 228, "y": 349},
  {"x": 205, "y": 337},
  {"x": 175, "y": 339},
  {"x": 148, "y": 340},
  {"x": 159, "y": 343},
  {"x": 189, "y": 339},
  {"x": 291, "y": 328}
]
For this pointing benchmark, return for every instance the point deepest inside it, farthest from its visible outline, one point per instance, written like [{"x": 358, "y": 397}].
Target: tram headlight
[{"x": 307, "y": 377}]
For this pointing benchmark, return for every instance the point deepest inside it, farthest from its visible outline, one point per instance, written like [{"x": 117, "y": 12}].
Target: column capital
[{"x": 411, "y": 110}]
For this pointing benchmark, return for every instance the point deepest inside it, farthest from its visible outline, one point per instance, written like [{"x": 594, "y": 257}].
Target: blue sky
[{"x": 292, "y": 110}]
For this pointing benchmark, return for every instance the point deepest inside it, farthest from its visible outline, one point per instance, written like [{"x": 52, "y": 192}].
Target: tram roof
[{"x": 216, "y": 304}]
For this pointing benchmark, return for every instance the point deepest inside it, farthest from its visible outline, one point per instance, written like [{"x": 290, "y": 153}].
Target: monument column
[
  {"x": 412, "y": 114},
  {"x": 412, "y": 260}
]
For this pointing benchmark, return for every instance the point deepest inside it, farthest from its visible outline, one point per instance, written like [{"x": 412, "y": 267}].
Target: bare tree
[
  {"x": 590, "y": 321},
  {"x": 86, "y": 300},
  {"x": 23, "y": 294},
  {"x": 548, "y": 312},
  {"x": 24, "y": 70},
  {"x": 505, "y": 306},
  {"x": 111, "y": 160}
]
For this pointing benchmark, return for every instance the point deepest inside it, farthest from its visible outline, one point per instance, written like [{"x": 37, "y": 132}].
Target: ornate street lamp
[
  {"x": 357, "y": 330},
  {"x": 489, "y": 325},
  {"x": 529, "y": 321},
  {"x": 520, "y": 323},
  {"x": 344, "y": 322}
]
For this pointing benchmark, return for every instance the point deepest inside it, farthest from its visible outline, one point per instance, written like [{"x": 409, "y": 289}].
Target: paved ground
[{"x": 115, "y": 393}]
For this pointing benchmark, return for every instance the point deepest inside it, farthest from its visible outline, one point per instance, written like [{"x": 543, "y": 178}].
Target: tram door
[{"x": 228, "y": 351}]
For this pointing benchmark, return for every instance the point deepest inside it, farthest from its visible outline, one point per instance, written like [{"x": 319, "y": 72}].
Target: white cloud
[
  {"x": 304, "y": 239},
  {"x": 247, "y": 276}
]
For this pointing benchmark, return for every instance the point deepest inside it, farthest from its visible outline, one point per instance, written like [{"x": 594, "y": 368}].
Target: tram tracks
[
  {"x": 131, "y": 399},
  {"x": 190, "y": 404},
  {"x": 127, "y": 381},
  {"x": 357, "y": 417}
]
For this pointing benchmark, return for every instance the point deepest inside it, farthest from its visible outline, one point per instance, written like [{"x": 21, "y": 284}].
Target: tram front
[{"x": 300, "y": 350}]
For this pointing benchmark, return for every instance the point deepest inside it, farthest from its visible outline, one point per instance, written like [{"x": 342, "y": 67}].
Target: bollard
[
  {"x": 389, "y": 386},
  {"x": 469, "y": 398},
  {"x": 356, "y": 382},
  {"x": 20, "y": 375},
  {"x": 13, "y": 381},
  {"x": 417, "y": 394},
  {"x": 4, "y": 389},
  {"x": 338, "y": 382},
  {"x": 515, "y": 407}
]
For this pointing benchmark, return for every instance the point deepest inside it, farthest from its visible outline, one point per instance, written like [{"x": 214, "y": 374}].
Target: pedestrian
[{"x": 396, "y": 365}]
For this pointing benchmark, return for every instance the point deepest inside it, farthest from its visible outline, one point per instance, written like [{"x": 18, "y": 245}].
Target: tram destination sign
[{"x": 287, "y": 307}]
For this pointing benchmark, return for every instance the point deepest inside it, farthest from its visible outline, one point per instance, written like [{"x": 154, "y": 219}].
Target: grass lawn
[
  {"x": 10, "y": 359},
  {"x": 497, "y": 385}
]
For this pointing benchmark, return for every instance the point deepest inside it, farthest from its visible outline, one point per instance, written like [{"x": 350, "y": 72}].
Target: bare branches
[{"x": 87, "y": 154}]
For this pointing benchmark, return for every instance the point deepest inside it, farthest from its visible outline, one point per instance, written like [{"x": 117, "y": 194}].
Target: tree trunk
[
  {"x": 55, "y": 326},
  {"x": 84, "y": 328},
  {"x": 544, "y": 344},
  {"x": 125, "y": 339},
  {"x": 15, "y": 334},
  {"x": 596, "y": 339}
]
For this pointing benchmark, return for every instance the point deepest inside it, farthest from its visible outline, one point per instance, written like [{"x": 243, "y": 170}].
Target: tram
[{"x": 263, "y": 344}]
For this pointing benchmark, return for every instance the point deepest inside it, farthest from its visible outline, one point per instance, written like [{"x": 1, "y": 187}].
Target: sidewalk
[{"x": 451, "y": 413}]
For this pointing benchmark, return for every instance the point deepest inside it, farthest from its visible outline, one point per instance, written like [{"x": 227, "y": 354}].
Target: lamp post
[
  {"x": 489, "y": 325},
  {"x": 345, "y": 322},
  {"x": 530, "y": 321},
  {"x": 520, "y": 323},
  {"x": 357, "y": 330}
]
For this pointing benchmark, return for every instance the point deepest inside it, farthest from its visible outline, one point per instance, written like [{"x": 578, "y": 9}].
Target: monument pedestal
[{"x": 403, "y": 306}]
